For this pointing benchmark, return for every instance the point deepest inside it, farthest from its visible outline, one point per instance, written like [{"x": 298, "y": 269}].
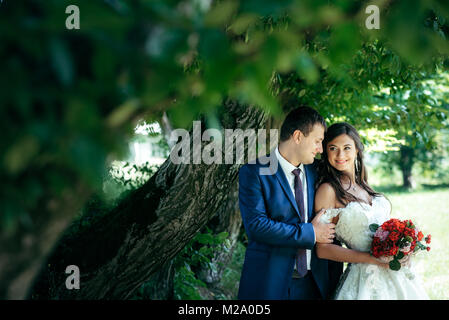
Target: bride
[{"x": 352, "y": 206}]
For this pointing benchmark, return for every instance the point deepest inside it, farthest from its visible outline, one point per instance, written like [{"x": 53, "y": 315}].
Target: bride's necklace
[{"x": 353, "y": 187}]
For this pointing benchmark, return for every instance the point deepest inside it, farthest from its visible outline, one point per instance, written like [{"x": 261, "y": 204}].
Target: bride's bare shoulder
[
  {"x": 325, "y": 198},
  {"x": 325, "y": 190}
]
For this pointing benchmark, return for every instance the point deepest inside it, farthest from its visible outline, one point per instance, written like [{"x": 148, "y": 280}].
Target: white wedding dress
[{"x": 368, "y": 281}]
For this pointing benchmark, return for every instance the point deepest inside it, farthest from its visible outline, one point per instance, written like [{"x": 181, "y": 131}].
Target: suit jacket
[{"x": 275, "y": 231}]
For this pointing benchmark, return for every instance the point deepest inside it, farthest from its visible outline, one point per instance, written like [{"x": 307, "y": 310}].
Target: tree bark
[
  {"x": 228, "y": 219},
  {"x": 161, "y": 285},
  {"x": 127, "y": 246}
]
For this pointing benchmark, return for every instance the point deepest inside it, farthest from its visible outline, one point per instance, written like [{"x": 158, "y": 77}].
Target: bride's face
[{"x": 341, "y": 153}]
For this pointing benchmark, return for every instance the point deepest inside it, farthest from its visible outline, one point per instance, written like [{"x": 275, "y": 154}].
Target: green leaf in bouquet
[
  {"x": 395, "y": 265},
  {"x": 400, "y": 255},
  {"x": 403, "y": 242},
  {"x": 409, "y": 239},
  {"x": 421, "y": 246},
  {"x": 373, "y": 227}
]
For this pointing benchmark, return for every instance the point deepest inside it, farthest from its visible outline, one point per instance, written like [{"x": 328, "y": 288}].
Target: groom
[{"x": 276, "y": 203}]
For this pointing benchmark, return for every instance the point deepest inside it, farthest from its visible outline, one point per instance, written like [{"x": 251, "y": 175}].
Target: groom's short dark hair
[{"x": 302, "y": 118}]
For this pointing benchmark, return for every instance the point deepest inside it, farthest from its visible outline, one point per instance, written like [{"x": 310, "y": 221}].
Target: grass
[{"x": 428, "y": 207}]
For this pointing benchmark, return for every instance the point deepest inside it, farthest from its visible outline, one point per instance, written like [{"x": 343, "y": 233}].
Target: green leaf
[
  {"x": 21, "y": 153},
  {"x": 204, "y": 251},
  {"x": 400, "y": 255},
  {"x": 373, "y": 227},
  {"x": 306, "y": 67},
  {"x": 62, "y": 61},
  {"x": 243, "y": 22},
  {"x": 395, "y": 265},
  {"x": 220, "y": 14},
  {"x": 221, "y": 237},
  {"x": 204, "y": 238},
  {"x": 122, "y": 113}
]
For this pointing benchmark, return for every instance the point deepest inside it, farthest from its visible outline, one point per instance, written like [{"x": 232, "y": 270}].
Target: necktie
[{"x": 301, "y": 257}]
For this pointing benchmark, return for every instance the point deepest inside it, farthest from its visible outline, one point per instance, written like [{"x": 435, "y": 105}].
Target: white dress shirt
[{"x": 287, "y": 167}]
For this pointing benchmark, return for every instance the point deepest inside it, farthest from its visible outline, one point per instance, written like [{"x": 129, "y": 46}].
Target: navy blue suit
[{"x": 273, "y": 225}]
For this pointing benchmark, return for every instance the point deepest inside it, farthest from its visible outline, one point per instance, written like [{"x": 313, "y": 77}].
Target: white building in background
[{"x": 145, "y": 148}]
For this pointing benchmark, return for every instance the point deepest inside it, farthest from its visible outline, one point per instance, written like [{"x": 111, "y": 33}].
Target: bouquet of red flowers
[{"x": 395, "y": 241}]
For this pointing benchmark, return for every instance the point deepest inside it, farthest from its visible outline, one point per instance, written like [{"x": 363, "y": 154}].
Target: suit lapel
[
  {"x": 282, "y": 179},
  {"x": 285, "y": 186}
]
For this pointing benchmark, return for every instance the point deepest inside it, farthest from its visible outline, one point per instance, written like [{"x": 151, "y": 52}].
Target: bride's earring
[{"x": 356, "y": 166}]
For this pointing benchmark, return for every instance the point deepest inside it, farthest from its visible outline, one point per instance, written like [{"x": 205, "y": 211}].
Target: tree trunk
[
  {"x": 127, "y": 246},
  {"x": 406, "y": 165},
  {"x": 161, "y": 285},
  {"x": 228, "y": 219}
]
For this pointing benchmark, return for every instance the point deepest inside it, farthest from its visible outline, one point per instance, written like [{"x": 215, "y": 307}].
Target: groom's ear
[{"x": 297, "y": 136}]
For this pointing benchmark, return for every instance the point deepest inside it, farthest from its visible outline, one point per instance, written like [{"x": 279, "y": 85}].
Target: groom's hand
[{"x": 324, "y": 232}]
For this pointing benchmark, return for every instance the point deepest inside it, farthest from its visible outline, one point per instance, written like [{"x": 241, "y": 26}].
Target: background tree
[{"x": 419, "y": 141}]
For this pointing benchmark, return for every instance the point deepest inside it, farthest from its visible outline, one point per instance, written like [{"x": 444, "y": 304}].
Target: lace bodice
[{"x": 352, "y": 227}]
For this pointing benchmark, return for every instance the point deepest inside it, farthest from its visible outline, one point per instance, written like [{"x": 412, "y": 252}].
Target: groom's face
[{"x": 308, "y": 147}]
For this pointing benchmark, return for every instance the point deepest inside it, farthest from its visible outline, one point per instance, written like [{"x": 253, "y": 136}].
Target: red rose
[
  {"x": 409, "y": 232},
  {"x": 428, "y": 248},
  {"x": 420, "y": 236},
  {"x": 428, "y": 239},
  {"x": 394, "y": 251}
]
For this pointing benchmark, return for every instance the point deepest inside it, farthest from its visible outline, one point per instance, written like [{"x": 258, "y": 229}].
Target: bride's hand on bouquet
[
  {"x": 405, "y": 261},
  {"x": 379, "y": 262},
  {"x": 382, "y": 264}
]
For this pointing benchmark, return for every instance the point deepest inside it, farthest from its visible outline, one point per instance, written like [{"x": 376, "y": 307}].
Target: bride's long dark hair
[{"x": 327, "y": 173}]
